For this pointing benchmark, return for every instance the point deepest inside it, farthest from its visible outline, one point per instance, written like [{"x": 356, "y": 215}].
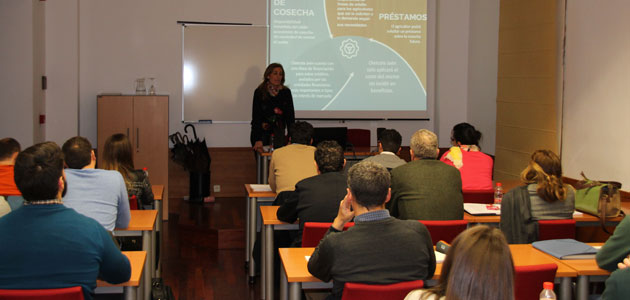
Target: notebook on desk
[
  {"x": 481, "y": 209},
  {"x": 566, "y": 249},
  {"x": 260, "y": 187}
]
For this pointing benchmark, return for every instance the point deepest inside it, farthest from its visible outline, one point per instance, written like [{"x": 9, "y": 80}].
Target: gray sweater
[{"x": 377, "y": 252}]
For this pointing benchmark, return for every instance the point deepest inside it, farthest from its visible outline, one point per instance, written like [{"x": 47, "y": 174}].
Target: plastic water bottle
[
  {"x": 498, "y": 193},
  {"x": 547, "y": 292}
]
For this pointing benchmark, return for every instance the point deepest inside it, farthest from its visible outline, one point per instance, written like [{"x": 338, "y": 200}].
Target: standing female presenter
[{"x": 272, "y": 110}]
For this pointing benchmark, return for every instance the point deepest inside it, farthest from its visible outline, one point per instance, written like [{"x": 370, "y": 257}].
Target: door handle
[{"x": 137, "y": 139}]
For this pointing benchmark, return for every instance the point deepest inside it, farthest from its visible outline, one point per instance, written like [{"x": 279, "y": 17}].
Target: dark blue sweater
[{"x": 51, "y": 246}]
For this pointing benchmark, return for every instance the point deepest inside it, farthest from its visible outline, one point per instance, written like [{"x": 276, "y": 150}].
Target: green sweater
[
  {"x": 426, "y": 189},
  {"x": 377, "y": 252},
  {"x": 616, "y": 248},
  {"x": 617, "y": 286}
]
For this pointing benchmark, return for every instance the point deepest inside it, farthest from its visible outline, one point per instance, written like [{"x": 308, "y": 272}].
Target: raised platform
[{"x": 217, "y": 225}]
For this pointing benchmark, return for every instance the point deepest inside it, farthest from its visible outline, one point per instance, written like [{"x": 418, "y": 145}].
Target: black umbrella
[{"x": 179, "y": 153}]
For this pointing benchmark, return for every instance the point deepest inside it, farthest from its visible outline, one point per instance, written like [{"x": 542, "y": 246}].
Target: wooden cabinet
[{"x": 144, "y": 119}]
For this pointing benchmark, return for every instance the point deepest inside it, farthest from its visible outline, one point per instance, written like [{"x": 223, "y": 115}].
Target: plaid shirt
[{"x": 43, "y": 202}]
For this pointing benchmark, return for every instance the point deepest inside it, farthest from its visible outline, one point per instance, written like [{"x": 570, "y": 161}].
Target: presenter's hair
[
  {"x": 545, "y": 169},
  {"x": 329, "y": 157},
  {"x": 390, "y": 139},
  {"x": 301, "y": 132},
  {"x": 118, "y": 156},
  {"x": 465, "y": 134},
  {"x": 477, "y": 266},
  {"x": 77, "y": 152},
  {"x": 424, "y": 144},
  {"x": 37, "y": 171},
  {"x": 269, "y": 70},
  {"x": 369, "y": 183},
  {"x": 8, "y": 146}
]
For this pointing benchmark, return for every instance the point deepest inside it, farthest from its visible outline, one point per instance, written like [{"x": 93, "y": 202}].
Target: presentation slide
[{"x": 352, "y": 58}]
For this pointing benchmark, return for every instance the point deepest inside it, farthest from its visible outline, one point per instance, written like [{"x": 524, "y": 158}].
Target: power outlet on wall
[{"x": 217, "y": 188}]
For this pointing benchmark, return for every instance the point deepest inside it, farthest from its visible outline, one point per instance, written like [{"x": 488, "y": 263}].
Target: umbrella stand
[{"x": 199, "y": 186}]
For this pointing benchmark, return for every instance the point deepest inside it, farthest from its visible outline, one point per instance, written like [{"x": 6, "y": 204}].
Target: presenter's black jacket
[{"x": 271, "y": 115}]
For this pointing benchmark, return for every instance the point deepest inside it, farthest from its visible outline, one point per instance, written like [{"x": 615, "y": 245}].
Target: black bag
[{"x": 159, "y": 291}]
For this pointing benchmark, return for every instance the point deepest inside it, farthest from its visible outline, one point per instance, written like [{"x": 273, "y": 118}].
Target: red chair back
[
  {"x": 480, "y": 196},
  {"x": 314, "y": 232},
  {"x": 556, "y": 229},
  {"x": 70, "y": 293},
  {"x": 444, "y": 230},
  {"x": 359, "y": 137},
  {"x": 528, "y": 280},
  {"x": 360, "y": 291}
]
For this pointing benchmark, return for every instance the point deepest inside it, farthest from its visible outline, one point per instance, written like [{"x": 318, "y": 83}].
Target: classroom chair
[
  {"x": 444, "y": 230},
  {"x": 314, "y": 231},
  {"x": 556, "y": 229},
  {"x": 361, "y": 291},
  {"x": 70, "y": 293},
  {"x": 528, "y": 280},
  {"x": 479, "y": 196}
]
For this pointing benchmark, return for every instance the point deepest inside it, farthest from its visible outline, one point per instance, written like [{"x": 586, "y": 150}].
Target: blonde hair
[{"x": 545, "y": 169}]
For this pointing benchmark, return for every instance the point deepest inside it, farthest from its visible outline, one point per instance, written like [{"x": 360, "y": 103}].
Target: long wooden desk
[
  {"x": 253, "y": 198},
  {"x": 142, "y": 224},
  {"x": 130, "y": 288},
  {"x": 270, "y": 223},
  {"x": 295, "y": 271},
  {"x": 158, "y": 194},
  {"x": 585, "y": 268},
  {"x": 583, "y": 219}
]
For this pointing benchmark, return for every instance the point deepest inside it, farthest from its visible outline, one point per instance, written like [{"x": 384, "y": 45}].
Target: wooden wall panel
[
  {"x": 527, "y": 85},
  {"x": 231, "y": 167}
]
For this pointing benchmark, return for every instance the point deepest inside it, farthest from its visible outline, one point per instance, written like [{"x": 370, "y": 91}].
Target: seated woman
[
  {"x": 477, "y": 266},
  {"x": 544, "y": 197},
  {"x": 475, "y": 166},
  {"x": 117, "y": 155}
]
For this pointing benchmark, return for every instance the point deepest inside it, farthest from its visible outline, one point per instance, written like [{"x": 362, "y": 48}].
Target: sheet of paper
[
  {"x": 482, "y": 209},
  {"x": 308, "y": 257},
  {"x": 260, "y": 187},
  {"x": 577, "y": 213},
  {"x": 439, "y": 257}
]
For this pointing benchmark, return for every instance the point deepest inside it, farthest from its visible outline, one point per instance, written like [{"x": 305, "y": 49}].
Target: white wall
[
  {"x": 62, "y": 66},
  {"x": 21, "y": 67},
  {"x": 119, "y": 41},
  {"x": 482, "y": 70},
  {"x": 596, "y": 91}
]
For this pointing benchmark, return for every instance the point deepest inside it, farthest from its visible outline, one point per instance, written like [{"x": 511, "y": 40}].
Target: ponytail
[{"x": 550, "y": 187}]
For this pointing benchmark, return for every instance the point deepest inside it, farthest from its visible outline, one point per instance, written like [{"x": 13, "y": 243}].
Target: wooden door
[
  {"x": 150, "y": 142},
  {"x": 114, "y": 115}
]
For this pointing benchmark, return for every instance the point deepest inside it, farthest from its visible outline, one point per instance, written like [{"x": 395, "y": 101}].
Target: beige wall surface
[{"x": 527, "y": 83}]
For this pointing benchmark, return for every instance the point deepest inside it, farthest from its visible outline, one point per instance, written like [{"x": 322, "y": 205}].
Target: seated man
[
  {"x": 9, "y": 149},
  {"x": 378, "y": 249},
  {"x": 98, "y": 194},
  {"x": 614, "y": 254},
  {"x": 388, "y": 145},
  {"x": 52, "y": 246},
  {"x": 426, "y": 188},
  {"x": 293, "y": 162},
  {"x": 316, "y": 199}
]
